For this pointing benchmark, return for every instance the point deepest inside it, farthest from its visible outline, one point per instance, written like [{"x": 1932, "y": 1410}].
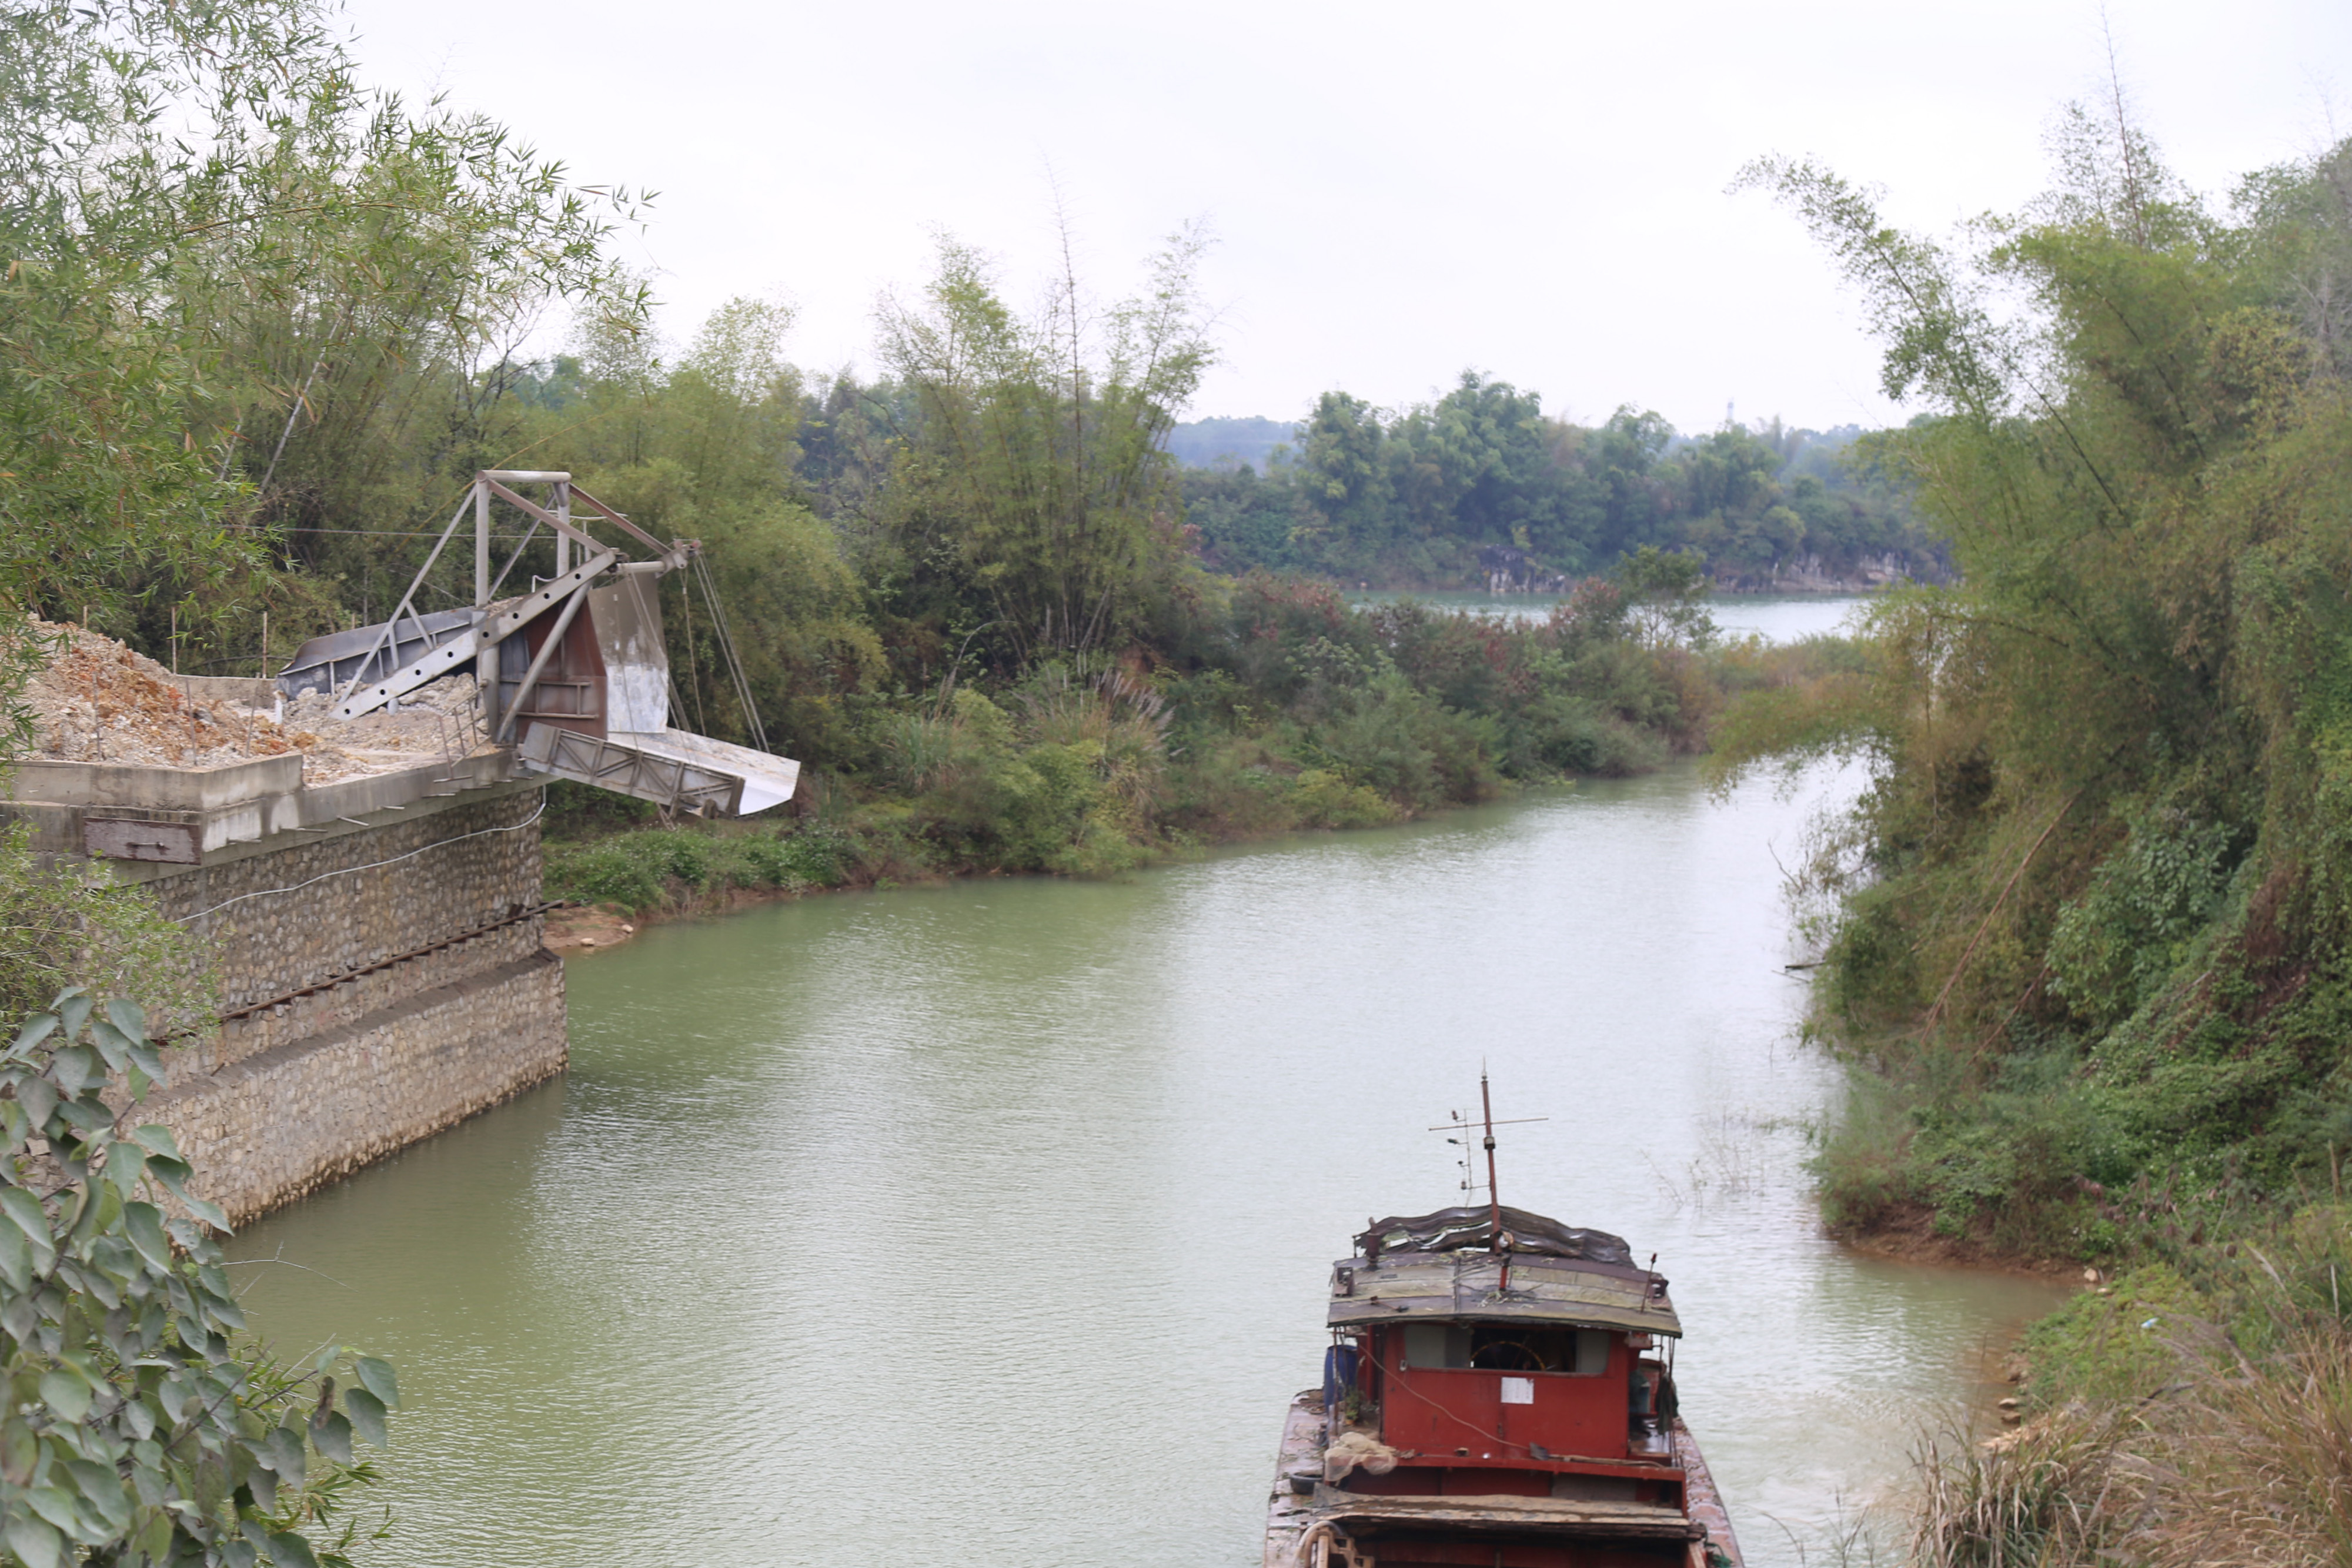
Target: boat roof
[
  {"x": 1438, "y": 1266},
  {"x": 1451, "y": 1230}
]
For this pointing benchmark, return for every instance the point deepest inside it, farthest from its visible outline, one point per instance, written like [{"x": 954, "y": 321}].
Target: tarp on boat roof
[{"x": 1453, "y": 1229}]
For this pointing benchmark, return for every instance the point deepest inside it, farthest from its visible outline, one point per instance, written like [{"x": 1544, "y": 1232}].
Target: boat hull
[{"x": 1310, "y": 1524}]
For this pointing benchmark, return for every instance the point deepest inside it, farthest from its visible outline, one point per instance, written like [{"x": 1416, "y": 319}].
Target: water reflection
[{"x": 991, "y": 1222}]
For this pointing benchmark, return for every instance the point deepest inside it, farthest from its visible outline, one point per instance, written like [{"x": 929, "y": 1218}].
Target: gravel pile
[{"x": 97, "y": 701}]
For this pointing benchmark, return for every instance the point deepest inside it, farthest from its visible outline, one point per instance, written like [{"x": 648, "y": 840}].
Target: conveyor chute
[{"x": 684, "y": 772}]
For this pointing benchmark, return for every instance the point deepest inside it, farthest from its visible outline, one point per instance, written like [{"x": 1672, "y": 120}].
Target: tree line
[
  {"x": 263, "y": 324},
  {"x": 2092, "y": 905},
  {"x": 1481, "y": 486}
]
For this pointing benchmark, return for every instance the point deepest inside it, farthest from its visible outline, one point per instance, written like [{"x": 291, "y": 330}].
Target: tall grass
[{"x": 2229, "y": 1443}]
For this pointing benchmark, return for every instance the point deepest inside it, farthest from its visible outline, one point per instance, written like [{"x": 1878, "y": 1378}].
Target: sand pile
[{"x": 97, "y": 701}]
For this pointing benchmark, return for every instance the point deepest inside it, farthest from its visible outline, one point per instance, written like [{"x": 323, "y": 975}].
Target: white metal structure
[{"x": 573, "y": 672}]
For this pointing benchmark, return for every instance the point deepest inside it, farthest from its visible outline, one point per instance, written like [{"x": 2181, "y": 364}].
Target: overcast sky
[{"x": 1398, "y": 191}]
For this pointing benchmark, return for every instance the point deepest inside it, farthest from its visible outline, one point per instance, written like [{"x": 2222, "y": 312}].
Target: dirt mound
[{"x": 95, "y": 700}]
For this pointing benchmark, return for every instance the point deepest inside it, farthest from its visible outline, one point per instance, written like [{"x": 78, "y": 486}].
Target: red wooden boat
[{"x": 1500, "y": 1392}]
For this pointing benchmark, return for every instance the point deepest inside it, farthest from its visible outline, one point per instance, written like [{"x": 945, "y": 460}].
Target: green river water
[{"x": 991, "y": 1224}]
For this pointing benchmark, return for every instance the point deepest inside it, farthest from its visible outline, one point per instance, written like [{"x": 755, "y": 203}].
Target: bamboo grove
[{"x": 2087, "y": 933}]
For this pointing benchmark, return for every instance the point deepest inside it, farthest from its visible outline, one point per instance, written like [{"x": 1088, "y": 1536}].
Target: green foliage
[
  {"x": 1036, "y": 478},
  {"x": 2111, "y": 948},
  {"x": 1064, "y": 778},
  {"x": 2190, "y": 1412},
  {"x": 672, "y": 867},
  {"x": 2113, "y": 1345},
  {"x": 240, "y": 292},
  {"x": 1482, "y": 482},
  {"x": 58, "y": 926},
  {"x": 2091, "y": 924},
  {"x": 140, "y": 1429},
  {"x": 1397, "y": 741},
  {"x": 1665, "y": 596}
]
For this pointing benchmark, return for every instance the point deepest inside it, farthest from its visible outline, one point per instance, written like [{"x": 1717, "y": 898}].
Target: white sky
[{"x": 1399, "y": 191}]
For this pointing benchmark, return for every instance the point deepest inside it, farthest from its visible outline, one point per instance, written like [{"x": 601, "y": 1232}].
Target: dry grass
[
  {"x": 2037, "y": 1498},
  {"x": 2243, "y": 1458},
  {"x": 2264, "y": 1454}
]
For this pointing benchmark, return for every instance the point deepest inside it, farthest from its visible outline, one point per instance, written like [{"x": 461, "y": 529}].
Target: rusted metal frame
[
  {"x": 494, "y": 630},
  {"x": 538, "y": 665},
  {"x": 499, "y": 628},
  {"x": 638, "y": 770},
  {"x": 499, "y": 581},
  {"x": 623, "y": 523},
  {"x": 348, "y": 976},
  {"x": 639, "y": 774},
  {"x": 561, "y": 495},
  {"x": 482, "y": 547},
  {"x": 466, "y": 645}
]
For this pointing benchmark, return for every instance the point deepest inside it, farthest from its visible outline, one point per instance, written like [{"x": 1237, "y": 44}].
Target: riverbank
[
  {"x": 1909, "y": 1234},
  {"x": 2190, "y": 1413},
  {"x": 585, "y": 927},
  {"x": 1314, "y": 715},
  {"x": 624, "y": 880}
]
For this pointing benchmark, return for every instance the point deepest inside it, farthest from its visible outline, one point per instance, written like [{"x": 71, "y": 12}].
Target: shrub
[
  {"x": 670, "y": 867},
  {"x": 1402, "y": 743},
  {"x": 141, "y": 1426},
  {"x": 1324, "y": 799},
  {"x": 613, "y": 871}
]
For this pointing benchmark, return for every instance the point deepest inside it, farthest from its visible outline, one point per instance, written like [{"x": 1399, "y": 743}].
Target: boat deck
[{"x": 1289, "y": 1512}]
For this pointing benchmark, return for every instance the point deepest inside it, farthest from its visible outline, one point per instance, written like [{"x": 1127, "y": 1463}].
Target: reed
[{"x": 2041, "y": 1497}]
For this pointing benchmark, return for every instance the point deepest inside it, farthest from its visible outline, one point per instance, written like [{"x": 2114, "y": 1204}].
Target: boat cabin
[{"x": 1500, "y": 1390}]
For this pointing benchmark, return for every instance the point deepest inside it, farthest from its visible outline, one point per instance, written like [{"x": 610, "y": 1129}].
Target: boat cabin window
[{"x": 1508, "y": 1347}]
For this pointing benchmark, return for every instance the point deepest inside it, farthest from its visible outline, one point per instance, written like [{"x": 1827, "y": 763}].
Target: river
[
  {"x": 991, "y": 1223},
  {"x": 1775, "y": 617}
]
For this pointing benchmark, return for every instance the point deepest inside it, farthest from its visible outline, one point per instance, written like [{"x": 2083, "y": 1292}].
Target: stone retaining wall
[
  {"x": 273, "y": 1105},
  {"x": 284, "y": 1121},
  {"x": 322, "y": 906}
]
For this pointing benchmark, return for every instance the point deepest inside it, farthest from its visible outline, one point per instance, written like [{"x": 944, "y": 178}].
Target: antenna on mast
[
  {"x": 1469, "y": 1182},
  {"x": 1489, "y": 1125}
]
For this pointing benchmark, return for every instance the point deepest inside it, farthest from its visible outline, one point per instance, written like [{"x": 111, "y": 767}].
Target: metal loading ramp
[{"x": 674, "y": 769}]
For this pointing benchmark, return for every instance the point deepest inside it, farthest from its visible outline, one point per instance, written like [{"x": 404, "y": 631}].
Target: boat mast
[{"x": 1493, "y": 1199}]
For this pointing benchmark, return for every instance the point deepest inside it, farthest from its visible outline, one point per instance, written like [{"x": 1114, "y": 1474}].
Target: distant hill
[{"x": 1229, "y": 443}]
